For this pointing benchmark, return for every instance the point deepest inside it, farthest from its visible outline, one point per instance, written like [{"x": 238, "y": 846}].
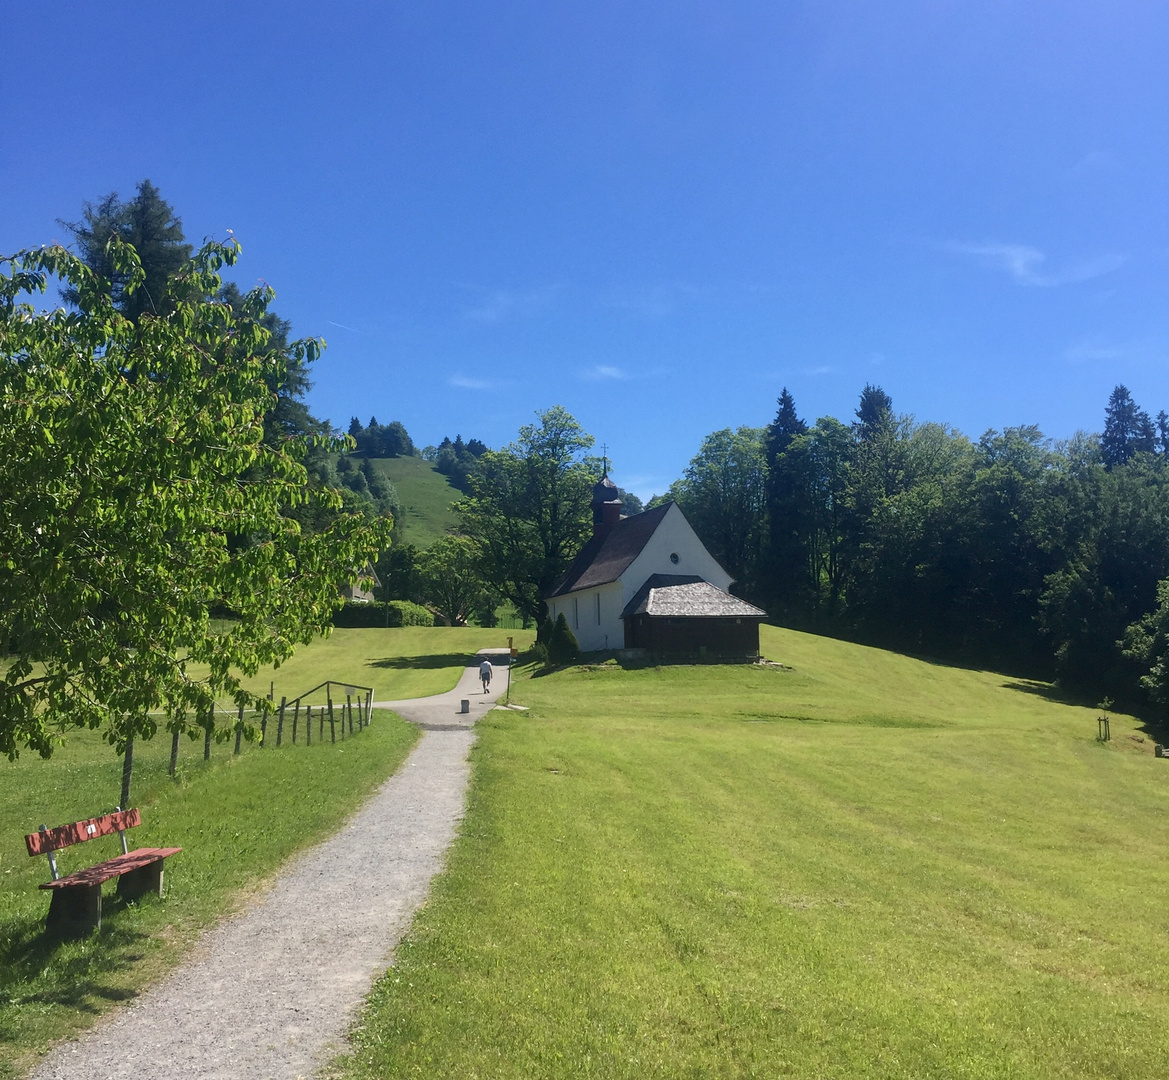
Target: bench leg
[
  {"x": 75, "y": 911},
  {"x": 139, "y": 882}
]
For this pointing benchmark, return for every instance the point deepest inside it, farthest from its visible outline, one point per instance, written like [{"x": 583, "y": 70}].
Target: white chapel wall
[
  {"x": 594, "y": 616},
  {"x": 673, "y": 536}
]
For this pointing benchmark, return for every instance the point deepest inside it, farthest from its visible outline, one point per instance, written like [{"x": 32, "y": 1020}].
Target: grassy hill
[
  {"x": 426, "y": 497},
  {"x": 860, "y": 865}
]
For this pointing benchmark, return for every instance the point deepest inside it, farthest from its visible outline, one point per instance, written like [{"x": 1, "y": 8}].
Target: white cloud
[
  {"x": 495, "y": 305},
  {"x": 465, "y": 383},
  {"x": 1093, "y": 351},
  {"x": 603, "y": 371},
  {"x": 1026, "y": 264}
]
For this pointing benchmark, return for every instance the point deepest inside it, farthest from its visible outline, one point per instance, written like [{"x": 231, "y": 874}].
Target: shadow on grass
[
  {"x": 1154, "y": 726},
  {"x": 1049, "y": 691},
  {"x": 424, "y": 663},
  {"x": 42, "y": 969}
]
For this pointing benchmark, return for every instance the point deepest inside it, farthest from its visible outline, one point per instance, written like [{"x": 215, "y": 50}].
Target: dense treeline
[
  {"x": 1011, "y": 550},
  {"x": 381, "y": 440}
]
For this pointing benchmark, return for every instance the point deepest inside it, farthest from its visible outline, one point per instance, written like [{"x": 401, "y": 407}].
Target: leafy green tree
[
  {"x": 452, "y": 579},
  {"x": 529, "y": 510},
  {"x": 817, "y": 467},
  {"x": 1115, "y": 554},
  {"x": 723, "y": 495},
  {"x": 140, "y": 497},
  {"x": 630, "y": 503},
  {"x": 149, "y": 225},
  {"x": 1147, "y": 642}
]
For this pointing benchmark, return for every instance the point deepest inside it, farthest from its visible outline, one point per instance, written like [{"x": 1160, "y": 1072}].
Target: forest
[{"x": 1041, "y": 557}]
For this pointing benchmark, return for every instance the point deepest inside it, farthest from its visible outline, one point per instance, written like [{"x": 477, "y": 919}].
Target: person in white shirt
[{"x": 485, "y": 673}]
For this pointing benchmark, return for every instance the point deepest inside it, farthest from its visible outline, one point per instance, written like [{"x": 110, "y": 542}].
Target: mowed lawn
[
  {"x": 237, "y": 819},
  {"x": 864, "y": 866},
  {"x": 402, "y": 662}
]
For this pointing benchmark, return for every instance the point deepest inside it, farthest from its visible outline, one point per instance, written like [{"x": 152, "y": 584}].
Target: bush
[
  {"x": 385, "y": 613},
  {"x": 562, "y": 647}
]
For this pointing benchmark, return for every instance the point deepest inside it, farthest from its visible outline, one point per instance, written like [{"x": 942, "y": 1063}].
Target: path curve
[{"x": 270, "y": 993}]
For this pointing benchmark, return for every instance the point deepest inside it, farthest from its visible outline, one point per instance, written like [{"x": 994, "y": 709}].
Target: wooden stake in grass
[
  {"x": 208, "y": 722},
  {"x": 280, "y": 723},
  {"x": 333, "y": 726},
  {"x": 295, "y": 720},
  {"x": 239, "y": 729},
  {"x": 174, "y": 750},
  {"x": 349, "y": 710}
]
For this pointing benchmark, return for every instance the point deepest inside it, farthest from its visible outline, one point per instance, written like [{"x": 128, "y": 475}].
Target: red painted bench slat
[
  {"x": 113, "y": 868},
  {"x": 41, "y": 843}
]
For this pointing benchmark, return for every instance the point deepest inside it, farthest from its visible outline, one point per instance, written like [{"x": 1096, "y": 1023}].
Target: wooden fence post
[
  {"x": 280, "y": 724},
  {"x": 349, "y": 710},
  {"x": 333, "y": 726},
  {"x": 263, "y": 728},
  {"x": 368, "y": 707},
  {"x": 295, "y": 720},
  {"x": 239, "y": 729},
  {"x": 208, "y": 722},
  {"x": 308, "y": 725},
  {"x": 127, "y": 771},
  {"x": 174, "y": 751}
]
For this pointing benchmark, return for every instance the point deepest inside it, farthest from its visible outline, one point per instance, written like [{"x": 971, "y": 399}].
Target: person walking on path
[{"x": 485, "y": 673}]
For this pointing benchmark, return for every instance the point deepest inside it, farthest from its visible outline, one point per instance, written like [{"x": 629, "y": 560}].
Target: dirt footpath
[{"x": 270, "y": 993}]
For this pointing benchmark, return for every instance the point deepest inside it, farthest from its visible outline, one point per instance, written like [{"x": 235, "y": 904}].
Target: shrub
[
  {"x": 562, "y": 646},
  {"x": 385, "y": 613}
]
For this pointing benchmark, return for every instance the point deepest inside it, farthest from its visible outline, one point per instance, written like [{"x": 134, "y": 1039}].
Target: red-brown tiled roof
[{"x": 605, "y": 558}]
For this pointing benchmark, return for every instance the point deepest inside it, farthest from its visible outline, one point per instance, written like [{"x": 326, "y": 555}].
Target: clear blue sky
[{"x": 655, "y": 214}]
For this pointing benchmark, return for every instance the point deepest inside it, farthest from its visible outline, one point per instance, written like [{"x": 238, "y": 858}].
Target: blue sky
[{"x": 655, "y": 214}]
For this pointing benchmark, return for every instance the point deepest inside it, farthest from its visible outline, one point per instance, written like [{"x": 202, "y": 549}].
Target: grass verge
[{"x": 861, "y": 866}]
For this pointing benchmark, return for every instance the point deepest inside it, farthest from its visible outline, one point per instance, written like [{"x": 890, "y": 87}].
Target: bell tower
[{"x": 606, "y": 504}]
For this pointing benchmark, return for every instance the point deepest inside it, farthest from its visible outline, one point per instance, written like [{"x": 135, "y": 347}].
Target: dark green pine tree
[
  {"x": 149, "y": 223},
  {"x": 1128, "y": 429},
  {"x": 783, "y": 558},
  {"x": 875, "y": 412},
  {"x": 1163, "y": 433},
  {"x": 785, "y": 427}
]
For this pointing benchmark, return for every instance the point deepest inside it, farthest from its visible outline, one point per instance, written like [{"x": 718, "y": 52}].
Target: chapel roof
[
  {"x": 687, "y": 595},
  {"x": 606, "y": 557}
]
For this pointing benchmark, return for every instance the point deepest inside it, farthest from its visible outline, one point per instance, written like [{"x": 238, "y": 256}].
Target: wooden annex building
[{"x": 647, "y": 582}]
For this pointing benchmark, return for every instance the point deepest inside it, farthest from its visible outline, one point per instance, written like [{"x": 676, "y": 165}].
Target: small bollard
[{"x": 464, "y": 706}]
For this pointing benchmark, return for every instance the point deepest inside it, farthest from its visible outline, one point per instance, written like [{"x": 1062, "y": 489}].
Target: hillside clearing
[{"x": 426, "y": 495}]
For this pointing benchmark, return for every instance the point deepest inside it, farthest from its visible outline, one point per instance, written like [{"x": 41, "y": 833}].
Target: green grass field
[
  {"x": 861, "y": 866},
  {"x": 402, "y": 662},
  {"x": 426, "y": 497},
  {"x": 237, "y": 820}
]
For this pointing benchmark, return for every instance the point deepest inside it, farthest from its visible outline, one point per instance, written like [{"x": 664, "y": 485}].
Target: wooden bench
[{"x": 76, "y": 905}]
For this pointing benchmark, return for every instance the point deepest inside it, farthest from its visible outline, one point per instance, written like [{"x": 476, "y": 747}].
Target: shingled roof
[
  {"x": 605, "y": 558},
  {"x": 690, "y": 596}
]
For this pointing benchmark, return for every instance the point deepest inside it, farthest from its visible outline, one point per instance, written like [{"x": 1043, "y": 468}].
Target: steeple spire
[{"x": 606, "y": 500}]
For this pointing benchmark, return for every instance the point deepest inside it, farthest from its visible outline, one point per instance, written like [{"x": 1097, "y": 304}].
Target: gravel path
[{"x": 270, "y": 993}]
